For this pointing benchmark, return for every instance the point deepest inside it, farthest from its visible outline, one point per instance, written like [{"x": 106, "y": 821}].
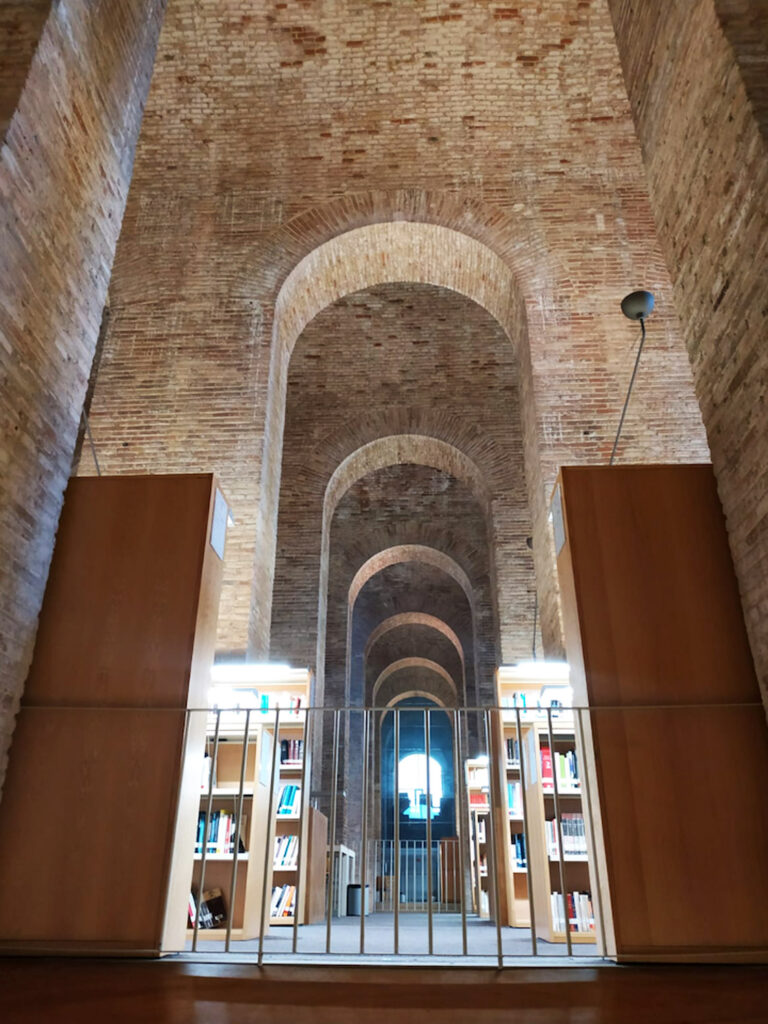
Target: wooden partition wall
[
  {"x": 679, "y": 745},
  {"x": 96, "y": 845}
]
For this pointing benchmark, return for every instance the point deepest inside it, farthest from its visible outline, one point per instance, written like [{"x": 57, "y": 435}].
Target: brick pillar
[
  {"x": 698, "y": 119},
  {"x": 65, "y": 169}
]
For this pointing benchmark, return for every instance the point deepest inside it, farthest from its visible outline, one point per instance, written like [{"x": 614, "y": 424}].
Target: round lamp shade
[{"x": 637, "y": 305}]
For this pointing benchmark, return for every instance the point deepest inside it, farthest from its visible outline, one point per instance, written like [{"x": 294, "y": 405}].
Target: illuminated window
[{"x": 412, "y": 778}]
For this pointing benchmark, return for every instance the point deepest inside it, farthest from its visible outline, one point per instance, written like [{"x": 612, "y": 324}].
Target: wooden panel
[
  {"x": 658, "y": 606},
  {"x": 127, "y": 623},
  {"x": 86, "y": 825},
  {"x": 120, "y": 612},
  {"x": 314, "y": 897},
  {"x": 652, "y": 617}
]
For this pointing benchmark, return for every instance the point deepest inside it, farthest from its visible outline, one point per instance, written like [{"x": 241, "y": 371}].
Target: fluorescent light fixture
[
  {"x": 253, "y": 672},
  {"x": 536, "y": 670}
]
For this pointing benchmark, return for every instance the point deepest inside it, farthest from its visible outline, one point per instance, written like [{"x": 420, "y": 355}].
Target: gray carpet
[{"x": 379, "y": 938}]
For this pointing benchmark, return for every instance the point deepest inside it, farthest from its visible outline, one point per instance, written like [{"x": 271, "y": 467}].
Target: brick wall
[
  {"x": 21, "y": 24},
  {"x": 428, "y": 364},
  {"x": 65, "y": 168},
  {"x": 707, "y": 170},
  {"x": 283, "y": 130}
]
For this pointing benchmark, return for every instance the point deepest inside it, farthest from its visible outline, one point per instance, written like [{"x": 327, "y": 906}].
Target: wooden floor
[{"x": 118, "y": 992}]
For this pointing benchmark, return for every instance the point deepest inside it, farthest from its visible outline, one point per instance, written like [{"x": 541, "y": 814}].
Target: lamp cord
[{"x": 629, "y": 389}]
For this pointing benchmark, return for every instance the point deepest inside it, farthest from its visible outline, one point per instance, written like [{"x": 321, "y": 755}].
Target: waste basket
[{"x": 353, "y": 900}]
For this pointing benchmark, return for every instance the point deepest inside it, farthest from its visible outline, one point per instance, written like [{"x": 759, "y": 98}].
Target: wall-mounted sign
[
  {"x": 557, "y": 520},
  {"x": 219, "y": 524}
]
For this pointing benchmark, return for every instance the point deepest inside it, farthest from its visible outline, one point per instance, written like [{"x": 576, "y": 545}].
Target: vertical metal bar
[
  {"x": 363, "y": 849},
  {"x": 269, "y": 851},
  {"x": 427, "y": 748},
  {"x": 597, "y": 901},
  {"x": 303, "y": 826},
  {"x": 397, "y": 834},
  {"x": 238, "y": 826},
  {"x": 206, "y": 826},
  {"x": 491, "y": 840},
  {"x": 332, "y": 835},
  {"x": 559, "y": 823},
  {"x": 461, "y": 827},
  {"x": 526, "y": 832}
]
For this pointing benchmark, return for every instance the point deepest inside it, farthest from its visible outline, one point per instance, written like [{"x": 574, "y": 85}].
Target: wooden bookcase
[
  {"x": 267, "y": 761},
  {"x": 537, "y": 880},
  {"x": 676, "y": 746},
  {"x": 104, "y": 774},
  {"x": 224, "y": 796},
  {"x": 478, "y": 794}
]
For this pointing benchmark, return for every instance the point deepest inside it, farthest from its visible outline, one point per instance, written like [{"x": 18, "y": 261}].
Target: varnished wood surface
[
  {"x": 88, "y": 842},
  {"x": 86, "y": 992},
  {"x": 652, "y": 617},
  {"x": 118, "y": 622}
]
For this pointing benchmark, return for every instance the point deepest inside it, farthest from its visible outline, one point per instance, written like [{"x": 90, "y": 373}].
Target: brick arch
[
  {"x": 427, "y": 675},
  {"x": 398, "y": 449},
  {"x": 406, "y": 236},
  {"x": 410, "y": 553},
  {"x": 415, "y": 619}
]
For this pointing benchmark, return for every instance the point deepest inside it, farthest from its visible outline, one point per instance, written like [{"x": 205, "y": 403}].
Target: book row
[
  {"x": 213, "y": 910},
  {"x": 574, "y": 836},
  {"x": 515, "y": 799},
  {"x": 291, "y": 751},
  {"x": 580, "y": 914},
  {"x": 289, "y": 801},
  {"x": 282, "y": 901},
  {"x": 565, "y": 765},
  {"x": 518, "y": 843},
  {"x": 513, "y": 749},
  {"x": 286, "y": 852},
  {"x": 222, "y": 829}
]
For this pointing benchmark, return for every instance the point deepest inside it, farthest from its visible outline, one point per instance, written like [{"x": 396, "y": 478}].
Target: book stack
[
  {"x": 282, "y": 901},
  {"x": 581, "y": 918},
  {"x": 290, "y": 801},
  {"x": 513, "y": 750},
  {"x": 521, "y": 861},
  {"x": 213, "y": 911},
  {"x": 286, "y": 852},
  {"x": 291, "y": 752},
  {"x": 574, "y": 836},
  {"x": 515, "y": 798},
  {"x": 478, "y": 798},
  {"x": 566, "y": 767},
  {"x": 221, "y": 833}
]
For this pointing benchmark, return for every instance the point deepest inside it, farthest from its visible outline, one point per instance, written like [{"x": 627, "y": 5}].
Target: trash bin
[{"x": 353, "y": 900}]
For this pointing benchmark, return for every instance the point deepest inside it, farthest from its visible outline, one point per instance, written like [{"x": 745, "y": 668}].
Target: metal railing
[{"x": 425, "y": 861}]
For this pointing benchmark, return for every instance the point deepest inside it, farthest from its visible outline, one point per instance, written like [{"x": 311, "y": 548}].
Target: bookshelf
[
  {"x": 675, "y": 740},
  {"x": 535, "y": 875},
  {"x": 103, "y": 777},
  {"x": 294, "y": 833},
  {"x": 478, "y": 793},
  {"x": 232, "y": 883}
]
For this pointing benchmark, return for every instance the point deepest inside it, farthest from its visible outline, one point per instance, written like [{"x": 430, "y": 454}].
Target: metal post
[
  {"x": 560, "y": 844},
  {"x": 492, "y": 860},
  {"x": 206, "y": 826},
  {"x": 460, "y": 826},
  {"x": 363, "y": 849},
  {"x": 332, "y": 837},
  {"x": 238, "y": 826},
  {"x": 397, "y": 834},
  {"x": 268, "y": 853},
  {"x": 526, "y": 832},
  {"x": 303, "y": 827},
  {"x": 430, "y": 932}
]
